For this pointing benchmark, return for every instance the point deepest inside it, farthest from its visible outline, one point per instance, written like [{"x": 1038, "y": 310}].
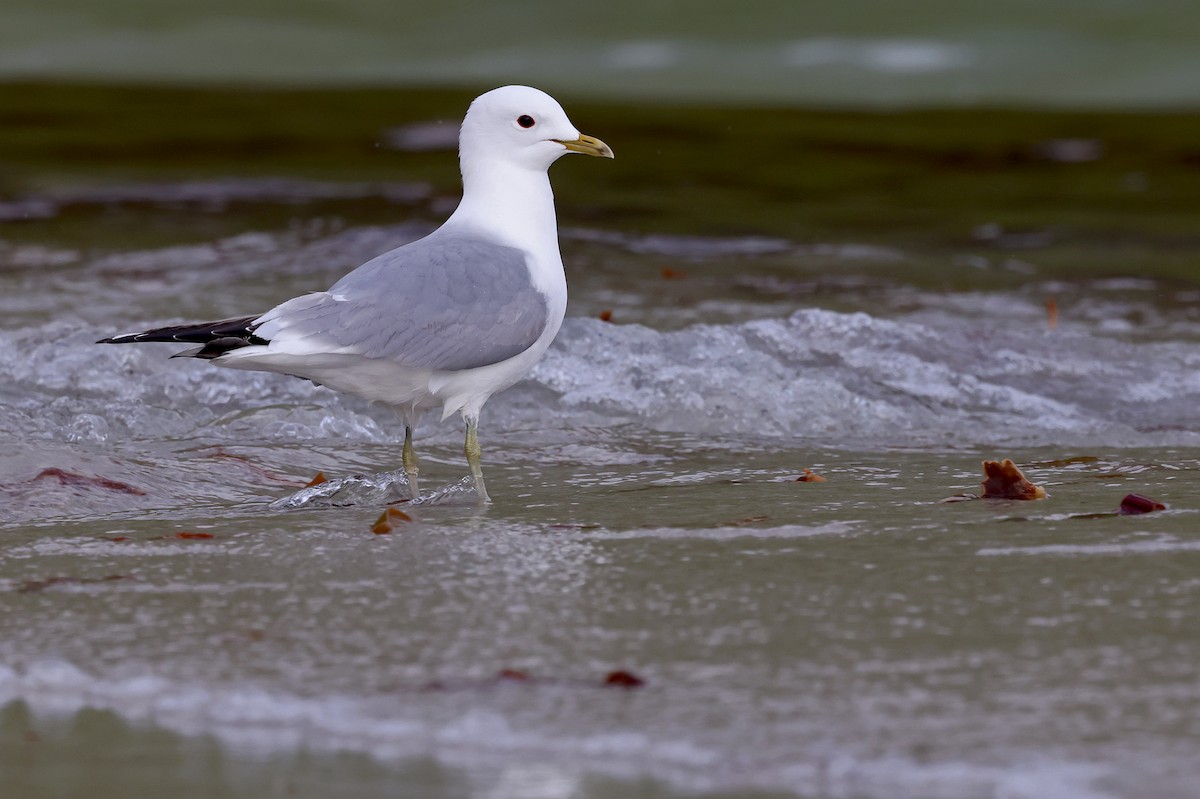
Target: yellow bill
[{"x": 588, "y": 145}]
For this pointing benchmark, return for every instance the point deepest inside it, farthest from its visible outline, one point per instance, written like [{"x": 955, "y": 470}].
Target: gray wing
[{"x": 444, "y": 302}]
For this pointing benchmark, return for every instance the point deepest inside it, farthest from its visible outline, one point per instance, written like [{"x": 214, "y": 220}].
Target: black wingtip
[{"x": 241, "y": 329}]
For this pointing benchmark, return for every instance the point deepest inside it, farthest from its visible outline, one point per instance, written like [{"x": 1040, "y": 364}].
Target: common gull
[{"x": 449, "y": 319}]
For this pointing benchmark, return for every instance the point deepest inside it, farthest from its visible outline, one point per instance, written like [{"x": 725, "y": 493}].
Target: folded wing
[{"x": 441, "y": 303}]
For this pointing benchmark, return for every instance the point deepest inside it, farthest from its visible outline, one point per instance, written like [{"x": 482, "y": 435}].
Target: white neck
[{"x": 511, "y": 203}]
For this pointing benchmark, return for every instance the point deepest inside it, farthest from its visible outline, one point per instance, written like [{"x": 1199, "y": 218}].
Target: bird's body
[
  {"x": 468, "y": 332},
  {"x": 447, "y": 320}
]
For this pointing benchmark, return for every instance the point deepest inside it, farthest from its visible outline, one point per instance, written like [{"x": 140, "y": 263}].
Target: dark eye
[{"x": 525, "y": 121}]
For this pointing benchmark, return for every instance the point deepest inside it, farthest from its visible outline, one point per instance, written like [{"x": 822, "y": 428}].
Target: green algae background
[{"x": 1081, "y": 194}]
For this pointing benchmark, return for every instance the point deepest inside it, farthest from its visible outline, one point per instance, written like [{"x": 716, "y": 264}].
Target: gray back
[{"x": 445, "y": 302}]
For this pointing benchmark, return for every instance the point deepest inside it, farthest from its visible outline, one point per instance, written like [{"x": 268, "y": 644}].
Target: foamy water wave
[
  {"x": 816, "y": 376},
  {"x": 852, "y": 378}
]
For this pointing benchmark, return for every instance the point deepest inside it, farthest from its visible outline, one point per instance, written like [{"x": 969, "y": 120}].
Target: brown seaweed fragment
[
  {"x": 383, "y": 525},
  {"x": 1134, "y": 504},
  {"x": 1073, "y": 460},
  {"x": 623, "y": 679},
  {"x": 1003, "y": 480},
  {"x": 619, "y": 678},
  {"x": 220, "y": 453},
  {"x": 81, "y": 480},
  {"x": 745, "y": 521},
  {"x": 182, "y": 535},
  {"x": 33, "y": 586}
]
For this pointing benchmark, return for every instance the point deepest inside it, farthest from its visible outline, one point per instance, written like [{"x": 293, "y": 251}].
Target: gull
[{"x": 447, "y": 320}]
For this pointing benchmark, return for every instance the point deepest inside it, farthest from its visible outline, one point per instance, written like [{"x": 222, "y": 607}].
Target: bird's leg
[
  {"x": 409, "y": 459},
  {"x": 472, "y": 450}
]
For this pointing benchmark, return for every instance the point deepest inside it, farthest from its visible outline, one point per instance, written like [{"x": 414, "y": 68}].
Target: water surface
[{"x": 886, "y": 301}]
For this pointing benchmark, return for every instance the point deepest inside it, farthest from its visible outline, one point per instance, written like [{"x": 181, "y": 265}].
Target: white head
[{"x": 520, "y": 126}]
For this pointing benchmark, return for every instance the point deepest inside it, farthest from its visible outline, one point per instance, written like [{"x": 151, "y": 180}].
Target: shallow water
[{"x": 848, "y": 638}]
